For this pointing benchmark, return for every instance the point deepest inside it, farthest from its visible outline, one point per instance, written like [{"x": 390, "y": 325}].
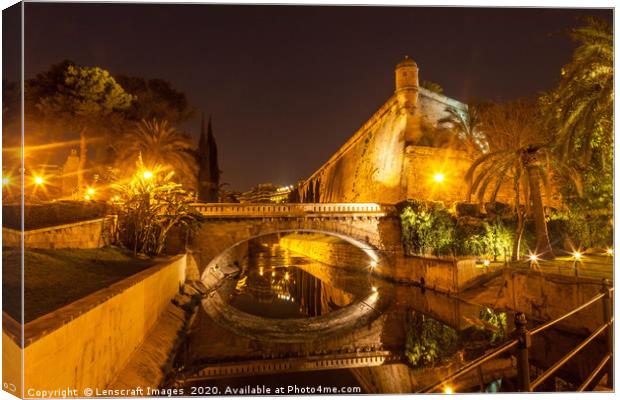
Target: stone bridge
[{"x": 369, "y": 226}]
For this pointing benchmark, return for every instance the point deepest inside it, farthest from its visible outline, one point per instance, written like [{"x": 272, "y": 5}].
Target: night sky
[{"x": 286, "y": 86}]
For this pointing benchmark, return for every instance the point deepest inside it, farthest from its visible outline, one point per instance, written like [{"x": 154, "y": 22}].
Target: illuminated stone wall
[
  {"x": 374, "y": 165},
  {"x": 86, "y": 343},
  {"x": 78, "y": 235}
]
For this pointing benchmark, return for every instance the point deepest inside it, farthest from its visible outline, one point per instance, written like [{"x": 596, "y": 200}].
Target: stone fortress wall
[{"x": 383, "y": 162}]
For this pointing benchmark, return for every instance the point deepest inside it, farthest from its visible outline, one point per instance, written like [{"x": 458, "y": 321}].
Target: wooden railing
[
  {"x": 285, "y": 209},
  {"x": 523, "y": 340}
]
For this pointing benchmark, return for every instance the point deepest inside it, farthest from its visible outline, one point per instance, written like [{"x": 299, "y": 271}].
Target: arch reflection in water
[{"x": 276, "y": 283}]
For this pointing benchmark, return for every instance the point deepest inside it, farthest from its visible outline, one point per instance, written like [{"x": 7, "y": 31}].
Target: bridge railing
[
  {"x": 260, "y": 209},
  {"x": 523, "y": 341}
]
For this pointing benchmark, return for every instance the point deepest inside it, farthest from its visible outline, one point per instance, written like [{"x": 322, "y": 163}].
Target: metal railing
[{"x": 523, "y": 341}]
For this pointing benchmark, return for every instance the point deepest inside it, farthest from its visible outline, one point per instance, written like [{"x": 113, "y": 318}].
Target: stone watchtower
[{"x": 407, "y": 92}]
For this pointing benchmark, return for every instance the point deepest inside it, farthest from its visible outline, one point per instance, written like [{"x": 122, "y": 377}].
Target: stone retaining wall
[
  {"x": 441, "y": 274},
  {"x": 78, "y": 235},
  {"x": 86, "y": 343}
]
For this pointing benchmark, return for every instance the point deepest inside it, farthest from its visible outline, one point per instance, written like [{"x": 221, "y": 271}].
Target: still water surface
[{"x": 278, "y": 284}]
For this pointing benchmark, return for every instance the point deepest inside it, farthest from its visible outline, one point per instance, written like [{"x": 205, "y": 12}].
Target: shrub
[
  {"x": 427, "y": 228},
  {"x": 573, "y": 229},
  {"x": 467, "y": 209},
  {"x": 152, "y": 207}
]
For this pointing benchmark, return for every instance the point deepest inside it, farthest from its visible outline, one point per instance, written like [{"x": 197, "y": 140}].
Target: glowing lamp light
[
  {"x": 374, "y": 289},
  {"x": 5, "y": 180},
  {"x": 87, "y": 197},
  {"x": 373, "y": 264},
  {"x": 448, "y": 390},
  {"x": 577, "y": 255},
  {"x": 610, "y": 251},
  {"x": 486, "y": 263},
  {"x": 90, "y": 191},
  {"x": 533, "y": 257},
  {"x": 439, "y": 177},
  {"x": 38, "y": 180},
  {"x": 147, "y": 174},
  {"x": 273, "y": 273},
  {"x": 286, "y": 276}
]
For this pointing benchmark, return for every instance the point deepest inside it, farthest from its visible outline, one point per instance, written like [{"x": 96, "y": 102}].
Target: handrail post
[
  {"x": 523, "y": 350},
  {"x": 607, "y": 314}
]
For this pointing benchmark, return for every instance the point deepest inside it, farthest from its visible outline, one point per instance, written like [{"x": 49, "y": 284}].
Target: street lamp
[
  {"x": 439, "y": 177},
  {"x": 90, "y": 191},
  {"x": 147, "y": 174},
  {"x": 38, "y": 180},
  {"x": 577, "y": 258}
]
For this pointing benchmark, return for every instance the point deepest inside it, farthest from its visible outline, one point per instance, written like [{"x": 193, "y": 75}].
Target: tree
[
  {"x": 580, "y": 113},
  {"x": 582, "y": 105},
  {"x": 152, "y": 205},
  {"x": 432, "y": 86},
  {"x": 83, "y": 99},
  {"x": 466, "y": 124},
  {"x": 519, "y": 150},
  {"x": 162, "y": 145},
  {"x": 154, "y": 99}
]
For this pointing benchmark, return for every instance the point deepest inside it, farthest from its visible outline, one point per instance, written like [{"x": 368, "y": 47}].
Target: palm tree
[
  {"x": 466, "y": 124},
  {"x": 518, "y": 152},
  {"x": 160, "y": 145},
  {"x": 582, "y": 105}
]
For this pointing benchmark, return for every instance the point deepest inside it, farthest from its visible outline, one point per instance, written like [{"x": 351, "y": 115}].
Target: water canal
[{"x": 281, "y": 318}]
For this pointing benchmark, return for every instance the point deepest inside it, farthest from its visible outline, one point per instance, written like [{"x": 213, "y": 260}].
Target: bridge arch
[{"x": 353, "y": 316}]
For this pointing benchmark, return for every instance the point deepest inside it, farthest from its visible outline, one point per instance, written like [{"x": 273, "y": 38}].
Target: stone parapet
[{"x": 89, "y": 234}]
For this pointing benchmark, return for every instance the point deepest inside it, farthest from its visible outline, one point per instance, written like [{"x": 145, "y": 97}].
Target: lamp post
[{"x": 576, "y": 260}]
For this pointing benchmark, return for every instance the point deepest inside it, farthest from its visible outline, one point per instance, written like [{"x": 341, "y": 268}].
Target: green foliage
[
  {"x": 80, "y": 96},
  {"x": 432, "y": 86},
  {"x": 429, "y": 228},
  {"x": 580, "y": 110},
  {"x": 428, "y": 340},
  {"x": 497, "y": 240},
  {"x": 578, "y": 228},
  {"x": 159, "y": 143},
  {"x": 495, "y": 324},
  {"x": 152, "y": 206}
]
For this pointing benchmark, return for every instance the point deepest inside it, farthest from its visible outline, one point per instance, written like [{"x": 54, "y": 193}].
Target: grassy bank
[{"x": 55, "y": 278}]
